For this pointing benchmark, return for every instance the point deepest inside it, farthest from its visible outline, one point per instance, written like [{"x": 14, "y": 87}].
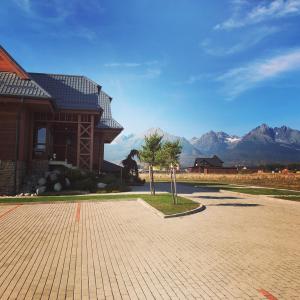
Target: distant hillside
[
  {"x": 261, "y": 145},
  {"x": 120, "y": 148}
]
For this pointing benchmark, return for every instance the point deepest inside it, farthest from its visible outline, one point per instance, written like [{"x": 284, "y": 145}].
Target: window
[{"x": 40, "y": 142}]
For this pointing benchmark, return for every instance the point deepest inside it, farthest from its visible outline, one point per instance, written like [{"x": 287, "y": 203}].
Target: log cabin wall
[
  {"x": 7, "y": 135},
  {"x": 69, "y": 98},
  {"x": 12, "y": 168}
]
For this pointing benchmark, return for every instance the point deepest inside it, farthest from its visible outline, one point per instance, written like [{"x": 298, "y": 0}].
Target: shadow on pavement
[
  {"x": 218, "y": 198},
  {"x": 237, "y": 204},
  {"x": 181, "y": 188}
]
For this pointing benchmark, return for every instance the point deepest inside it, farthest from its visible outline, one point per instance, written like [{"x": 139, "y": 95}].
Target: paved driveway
[{"x": 238, "y": 248}]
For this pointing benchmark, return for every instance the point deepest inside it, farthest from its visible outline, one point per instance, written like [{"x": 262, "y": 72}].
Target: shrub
[
  {"x": 117, "y": 187},
  {"x": 86, "y": 184},
  {"x": 108, "y": 178}
]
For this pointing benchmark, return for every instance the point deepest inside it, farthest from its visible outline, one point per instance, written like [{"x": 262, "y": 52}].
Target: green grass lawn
[
  {"x": 162, "y": 202},
  {"x": 260, "y": 191},
  {"x": 291, "y": 198}
]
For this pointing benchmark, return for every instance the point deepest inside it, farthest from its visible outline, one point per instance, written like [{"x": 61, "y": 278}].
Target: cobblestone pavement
[{"x": 238, "y": 248}]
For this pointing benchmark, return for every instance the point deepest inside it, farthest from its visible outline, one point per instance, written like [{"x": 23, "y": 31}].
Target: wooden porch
[{"x": 65, "y": 136}]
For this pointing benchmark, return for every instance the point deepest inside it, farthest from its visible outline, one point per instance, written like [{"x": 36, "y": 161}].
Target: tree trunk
[
  {"x": 175, "y": 185},
  {"x": 152, "y": 181},
  {"x": 172, "y": 187}
]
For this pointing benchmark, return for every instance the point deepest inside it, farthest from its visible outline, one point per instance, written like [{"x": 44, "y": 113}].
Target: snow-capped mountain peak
[{"x": 261, "y": 145}]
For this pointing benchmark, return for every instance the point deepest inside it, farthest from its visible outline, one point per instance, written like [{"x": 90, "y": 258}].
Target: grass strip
[
  {"x": 162, "y": 202},
  {"x": 291, "y": 198}
]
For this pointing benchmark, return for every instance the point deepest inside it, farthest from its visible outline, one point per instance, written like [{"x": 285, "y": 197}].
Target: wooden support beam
[
  {"x": 92, "y": 142},
  {"x": 85, "y": 141},
  {"x": 78, "y": 140},
  {"x": 30, "y": 154}
]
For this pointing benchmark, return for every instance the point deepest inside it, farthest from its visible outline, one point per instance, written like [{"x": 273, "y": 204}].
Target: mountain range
[{"x": 261, "y": 145}]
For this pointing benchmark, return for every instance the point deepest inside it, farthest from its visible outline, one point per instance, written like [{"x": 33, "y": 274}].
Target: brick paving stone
[{"x": 123, "y": 250}]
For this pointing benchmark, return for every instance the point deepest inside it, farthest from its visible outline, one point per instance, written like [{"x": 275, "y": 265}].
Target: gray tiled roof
[
  {"x": 108, "y": 166},
  {"x": 13, "y": 85},
  {"x": 109, "y": 123},
  {"x": 106, "y": 120},
  {"x": 69, "y": 91},
  {"x": 66, "y": 91}
]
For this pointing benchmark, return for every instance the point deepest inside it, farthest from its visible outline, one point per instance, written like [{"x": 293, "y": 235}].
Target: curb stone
[{"x": 200, "y": 208}]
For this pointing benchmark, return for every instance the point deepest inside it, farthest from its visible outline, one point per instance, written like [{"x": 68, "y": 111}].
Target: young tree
[
  {"x": 130, "y": 171},
  {"x": 170, "y": 154},
  {"x": 150, "y": 154}
]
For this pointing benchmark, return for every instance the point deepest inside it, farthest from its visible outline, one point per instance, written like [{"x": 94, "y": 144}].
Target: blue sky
[{"x": 187, "y": 66}]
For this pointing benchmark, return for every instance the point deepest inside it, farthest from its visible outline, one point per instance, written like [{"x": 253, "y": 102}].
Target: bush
[
  {"x": 86, "y": 184},
  {"x": 117, "y": 187},
  {"x": 76, "y": 174},
  {"x": 108, "y": 178},
  {"x": 136, "y": 181},
  {"x": 81, "y": 180}
]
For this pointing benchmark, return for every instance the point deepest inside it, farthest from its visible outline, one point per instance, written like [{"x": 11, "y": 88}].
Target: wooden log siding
[{"x": 7, "y": 136}]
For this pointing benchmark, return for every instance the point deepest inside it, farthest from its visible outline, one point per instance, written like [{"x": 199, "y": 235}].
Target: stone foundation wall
[{"x": 7, "y": 176}]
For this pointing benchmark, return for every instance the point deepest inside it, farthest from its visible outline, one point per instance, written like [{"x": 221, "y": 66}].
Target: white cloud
[
  {"x": 194, "y": 78},
  {"x": 151, "y": 73},
  {"x": 24, "y": 4},
  {"x": 130, "y": 64},
  {"x": 134, "y": 71},
  {"x": 268, "y": 10},
  {"x": 124, "y": 64},
  {"x": 245, "y": 42},
  {"x": 55, "y": 12},
  {"x": 239, "y": 80}
]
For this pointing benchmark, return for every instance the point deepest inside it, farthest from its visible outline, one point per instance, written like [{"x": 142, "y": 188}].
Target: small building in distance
[
  {"x": 211, "y": 165},
  {"x": 208, "y": 162}
]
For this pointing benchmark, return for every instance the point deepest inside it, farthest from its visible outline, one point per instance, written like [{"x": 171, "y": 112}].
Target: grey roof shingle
[
  {"x": 13, "y": 85},
  {"x": 109, "y": 123},
  {"x": 106, "y": 120},
  {"x": 69, "y": 91},
  {"x": 66, "y": 91}
]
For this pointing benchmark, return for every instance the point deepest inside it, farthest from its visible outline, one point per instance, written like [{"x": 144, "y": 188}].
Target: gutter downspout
[{"x": 17, "y": 145}]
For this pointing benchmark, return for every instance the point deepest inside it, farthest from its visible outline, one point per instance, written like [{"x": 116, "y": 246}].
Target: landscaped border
[
  {"x": 200, "y": 208},
  {"x": 161, "y": 202}
]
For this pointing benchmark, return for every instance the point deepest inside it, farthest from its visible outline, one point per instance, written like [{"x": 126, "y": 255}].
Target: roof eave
[{"x": 17, "y": 68}]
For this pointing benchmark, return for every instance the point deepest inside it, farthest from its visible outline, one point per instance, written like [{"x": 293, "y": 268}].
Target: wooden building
[
  {"x": 211, "y": 165},
  {"x": 208, "y": 162},
  {"x": 50, "y": 119}
]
